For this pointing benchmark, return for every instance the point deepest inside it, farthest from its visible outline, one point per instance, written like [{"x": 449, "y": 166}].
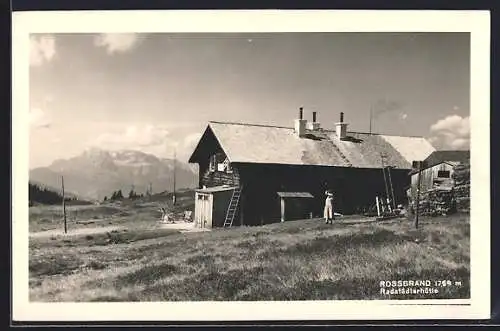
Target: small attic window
[
  {"x": 443, "y": 174},
  {"x": 227, "y": 166},
  {"x": 215, "y": 161},
  {"x": 224, "y": 166}
]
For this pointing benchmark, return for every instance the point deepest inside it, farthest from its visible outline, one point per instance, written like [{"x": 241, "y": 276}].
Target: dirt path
[
  {"x": 74, "y": 232},
  {"x": 182, "y": 226}
]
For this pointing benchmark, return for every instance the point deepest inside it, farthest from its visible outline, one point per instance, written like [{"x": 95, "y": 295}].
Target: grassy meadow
[{"x": 119, "y": 252}]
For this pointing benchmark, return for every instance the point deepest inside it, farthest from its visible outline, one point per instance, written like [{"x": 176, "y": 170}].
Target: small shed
[
  {"x": 438, "y": 171},
  {"x": 211, "y": 206},
  {"x": 295, "y": 205}
]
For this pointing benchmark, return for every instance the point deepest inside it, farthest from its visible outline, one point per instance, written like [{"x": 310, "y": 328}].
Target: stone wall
[{"x": 461, "y": 175}]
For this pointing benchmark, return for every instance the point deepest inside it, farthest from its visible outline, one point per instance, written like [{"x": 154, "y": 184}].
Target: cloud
[
  {"x": 117, "y": 42},
  {"x": 42, "y": 49},
  {"x": 184, "y": 146},
  {"x": 39, "y": 119},
  {"x": 48, "y": 98},
  {"x": 133, "y": 137},
  {"x": 192, "y": 139},
  {"x": 451, "y": 132},
  {"x": 403, "y": 116}
]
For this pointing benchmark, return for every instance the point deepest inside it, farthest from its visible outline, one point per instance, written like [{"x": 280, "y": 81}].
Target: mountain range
[{"x": 97, "y": 173}]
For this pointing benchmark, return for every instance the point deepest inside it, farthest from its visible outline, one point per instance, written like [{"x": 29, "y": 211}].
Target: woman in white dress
[{"x": 328, "y": 212}]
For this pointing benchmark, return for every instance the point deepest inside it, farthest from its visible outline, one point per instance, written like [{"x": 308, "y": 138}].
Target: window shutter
[{"x": 213, "y": 163}]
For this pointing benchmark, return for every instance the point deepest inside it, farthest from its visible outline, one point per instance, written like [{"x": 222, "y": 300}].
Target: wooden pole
[
  {"x": 392, "y": 188},
  {"x": 378, "y": 206},
  {"x": 385, "y": 179},
  {"x": 418, "y": 195},
  {"x": 283, "y": 209},
  {"x": 173, "y": 196},
  {"x": 64, "y": 205},
  {"x": 371, "y": 111}
]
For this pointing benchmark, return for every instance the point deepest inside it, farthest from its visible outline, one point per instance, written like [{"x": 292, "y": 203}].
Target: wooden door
[
  {"x": 209, "y": 210},
  {"x": 198, "y": 210},
  {"x": 203, "y": 210}
]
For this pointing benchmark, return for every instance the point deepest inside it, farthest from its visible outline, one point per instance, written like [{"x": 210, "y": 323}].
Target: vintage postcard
[{"x": 250, "y": 165}]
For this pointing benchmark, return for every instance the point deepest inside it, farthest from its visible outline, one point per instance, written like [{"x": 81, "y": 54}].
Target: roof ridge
[
  {"x": 322, "y": 129},
  {"x": 251, "y": 124},
  {"x": 388, "y": 134}
]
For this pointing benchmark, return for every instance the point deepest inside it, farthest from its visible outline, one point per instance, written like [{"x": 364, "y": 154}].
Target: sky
[{"x": 157, "y": 92}]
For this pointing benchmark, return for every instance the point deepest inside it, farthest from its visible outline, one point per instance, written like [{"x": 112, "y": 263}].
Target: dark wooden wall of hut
[
  {"x": 354, "y": 189},
  {"x": 219, "y": 209}
]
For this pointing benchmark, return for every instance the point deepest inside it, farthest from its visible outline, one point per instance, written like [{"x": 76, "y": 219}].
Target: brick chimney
[
  {"x": 300, "y": 124},
  {"x": 314, "y": 125},
  {"x": 341, "y": 127}
]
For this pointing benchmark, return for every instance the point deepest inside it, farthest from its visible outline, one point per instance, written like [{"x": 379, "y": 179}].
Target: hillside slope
[
  {"x": 42, "y": 194},
  {"x": 297, "y": 260}
]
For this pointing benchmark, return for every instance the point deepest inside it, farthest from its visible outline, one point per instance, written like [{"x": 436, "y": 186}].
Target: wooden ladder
[
  {"x": 386, "y": 168},
  {"x": 233, "y": 207}
]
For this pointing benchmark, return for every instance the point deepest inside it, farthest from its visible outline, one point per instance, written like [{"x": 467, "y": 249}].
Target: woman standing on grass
[{"x": 328, "y": 212}]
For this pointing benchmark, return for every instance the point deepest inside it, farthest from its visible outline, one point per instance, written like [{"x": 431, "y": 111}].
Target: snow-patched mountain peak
[
  {"x": 100, "y": 157},
  {"x": 97, "y": 172},
  {"x": 135, "y": 158},
  {"x": 95, "y": 152}
]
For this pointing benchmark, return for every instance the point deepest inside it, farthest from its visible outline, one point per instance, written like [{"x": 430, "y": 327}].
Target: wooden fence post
[
  {"x": 64, "y": 206},
  {"x": 418, "y": 194},
  {"x": 378, "y": 206}
]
